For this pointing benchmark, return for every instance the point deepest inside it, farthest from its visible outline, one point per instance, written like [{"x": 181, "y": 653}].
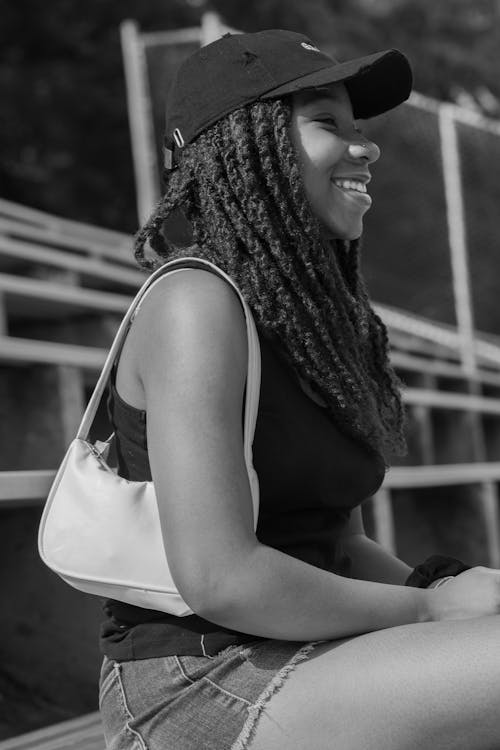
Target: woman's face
[{"x": 334, "y": 158}]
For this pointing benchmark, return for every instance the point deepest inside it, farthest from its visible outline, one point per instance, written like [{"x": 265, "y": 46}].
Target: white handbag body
[{"x": 101, "y": 533}]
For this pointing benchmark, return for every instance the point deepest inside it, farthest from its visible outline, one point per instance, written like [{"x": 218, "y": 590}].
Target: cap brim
[{"x": 375, "y": 83}]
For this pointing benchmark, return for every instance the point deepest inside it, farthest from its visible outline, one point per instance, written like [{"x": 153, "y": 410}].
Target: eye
[{"x": 328, "y": 120}]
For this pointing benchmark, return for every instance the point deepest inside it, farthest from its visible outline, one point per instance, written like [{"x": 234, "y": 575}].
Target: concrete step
[{"x": 83, "y": 733}]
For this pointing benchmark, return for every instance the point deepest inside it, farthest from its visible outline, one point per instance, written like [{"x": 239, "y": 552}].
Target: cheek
[
  {"x": 319, "y": 154},
  {"x": 318, "y": 170},
  {"x": 315, "y": 186}
]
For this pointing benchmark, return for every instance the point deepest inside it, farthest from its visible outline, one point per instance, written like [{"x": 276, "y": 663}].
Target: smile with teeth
[{"x": 359, "y": 187}]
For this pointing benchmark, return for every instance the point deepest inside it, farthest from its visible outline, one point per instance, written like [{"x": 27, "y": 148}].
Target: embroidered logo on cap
[{"x": 309, "y": 46}]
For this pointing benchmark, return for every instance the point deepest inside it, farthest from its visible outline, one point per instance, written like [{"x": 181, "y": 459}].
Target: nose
[{"x": 367, "y": 150}]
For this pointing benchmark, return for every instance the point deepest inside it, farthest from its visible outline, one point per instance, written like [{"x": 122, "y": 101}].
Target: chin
[
  {"x": 347, "y": 236},
  {"x": 354, "y": 235},
  {"x": 352, "y": 232}
]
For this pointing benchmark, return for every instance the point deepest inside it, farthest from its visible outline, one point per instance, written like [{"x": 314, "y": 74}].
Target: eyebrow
[
  {"x": 324, "y": 91},
  {"x": 319, "y": 94}
]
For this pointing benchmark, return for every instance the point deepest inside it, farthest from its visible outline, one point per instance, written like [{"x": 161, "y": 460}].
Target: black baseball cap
[{"x": 240, "y": 69}]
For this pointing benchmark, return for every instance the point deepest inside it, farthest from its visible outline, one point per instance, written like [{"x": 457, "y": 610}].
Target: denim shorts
[{"x": 193, "y": 702}]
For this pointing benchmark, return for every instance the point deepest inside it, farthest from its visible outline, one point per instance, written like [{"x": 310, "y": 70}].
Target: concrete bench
[{"x": 83, "y": 733}]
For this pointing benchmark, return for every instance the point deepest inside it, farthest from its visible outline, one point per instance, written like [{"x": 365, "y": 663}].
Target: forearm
[
  {"x": 274, "y": 595},
  {"x": 371, "y": 562}
]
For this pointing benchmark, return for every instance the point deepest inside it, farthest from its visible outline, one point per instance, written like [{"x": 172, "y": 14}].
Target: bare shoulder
[
  {"x": 191, "y": 326},
  {"x": 187, "y": 288}
]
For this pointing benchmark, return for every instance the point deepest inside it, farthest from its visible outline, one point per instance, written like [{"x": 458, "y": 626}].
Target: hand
[{"x": 473, "y": 593}]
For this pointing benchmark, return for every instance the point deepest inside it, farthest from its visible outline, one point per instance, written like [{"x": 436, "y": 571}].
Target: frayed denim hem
[{"x": 254, "y": 711}]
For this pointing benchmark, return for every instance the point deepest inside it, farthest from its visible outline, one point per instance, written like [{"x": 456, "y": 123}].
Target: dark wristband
[{"x": 436, "y": 566}]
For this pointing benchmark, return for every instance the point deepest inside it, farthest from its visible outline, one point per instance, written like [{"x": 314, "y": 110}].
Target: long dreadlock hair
[{"x": 239, "y": 185}]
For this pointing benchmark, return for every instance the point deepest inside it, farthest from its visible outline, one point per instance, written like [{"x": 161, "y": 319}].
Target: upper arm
[{"x": 193, "y": 366}]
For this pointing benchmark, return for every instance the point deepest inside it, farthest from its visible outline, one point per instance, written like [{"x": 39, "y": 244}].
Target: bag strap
[{"x": 252, "y": 391}]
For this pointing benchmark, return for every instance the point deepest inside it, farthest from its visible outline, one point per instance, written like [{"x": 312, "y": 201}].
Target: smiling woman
[
  {"x": 335, "y": 159},
  {"x": 303, "y": 632}
]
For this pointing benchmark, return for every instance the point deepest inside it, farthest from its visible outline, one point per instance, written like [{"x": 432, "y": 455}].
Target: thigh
[{"x": 426, "y": 686}]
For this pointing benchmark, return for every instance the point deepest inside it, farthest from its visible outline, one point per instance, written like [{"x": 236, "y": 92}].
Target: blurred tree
[
  {"x": 453, "y": 44},
  {"x": 64, "y": 130}
]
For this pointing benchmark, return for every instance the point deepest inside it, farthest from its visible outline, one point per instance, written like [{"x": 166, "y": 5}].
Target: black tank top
[{"x": 310, "y": 475}]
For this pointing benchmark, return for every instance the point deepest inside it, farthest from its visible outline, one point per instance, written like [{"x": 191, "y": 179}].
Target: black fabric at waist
[{"x": 135, "y": 633}]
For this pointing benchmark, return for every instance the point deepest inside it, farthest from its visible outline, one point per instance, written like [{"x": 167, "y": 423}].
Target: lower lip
[{"x": 362, "y": 198}]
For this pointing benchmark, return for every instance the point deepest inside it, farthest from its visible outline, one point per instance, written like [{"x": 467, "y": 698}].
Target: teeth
[{"x": 351, "y": 185}]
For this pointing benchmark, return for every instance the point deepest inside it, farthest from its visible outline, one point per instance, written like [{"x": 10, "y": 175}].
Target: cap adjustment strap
[
  {"x": 168, "y": 153},
  {"x": 177, "y": 136},
  {"x": 167, "y": 157}
]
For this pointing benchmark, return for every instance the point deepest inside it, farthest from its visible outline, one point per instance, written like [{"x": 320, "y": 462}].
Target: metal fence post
[
  {"x": 384, "y": 520},
  {"x": 211, "y": 27},
  {"x": 489, "y": 504},
  {"x": 456, "y": 235},
  {"x": 147, "y": 177}
]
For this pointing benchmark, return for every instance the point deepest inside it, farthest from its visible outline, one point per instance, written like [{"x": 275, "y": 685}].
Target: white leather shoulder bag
[{"x": 101, "y": 533}]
